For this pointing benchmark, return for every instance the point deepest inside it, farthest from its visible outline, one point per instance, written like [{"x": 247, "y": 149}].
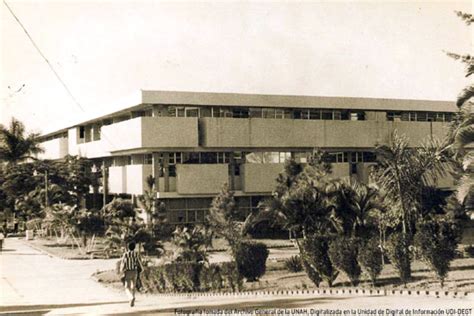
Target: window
[
  {"x": 208, "y": 158},
  {"x": 268, "y": 113},
  {"x": 236, "y": 170},
  {"x": 327, "y": 115},
  {"x": 192, "y": 112},
  {"x": 221, "y": 112},
  {"x": 222, "y": 157},
  {"x": 284, "y": 156},
  {"x": 302, "y": 157},
  {"x": 271, "y": 157},
  {"x": 82, "y": 132},
  {"x": 422, "y": 116},
  {"x": 314, "y": 114},
  {"x": 148, "y": 159},
  {"x": 240, "y": 113},
  {"x": 368, "y": 156},
  {"x": 255, "y": 112},
  {"x": 302, "y": 114},
  {"x": 205, "y": 112},
  {"x": 191, "y": 158}
]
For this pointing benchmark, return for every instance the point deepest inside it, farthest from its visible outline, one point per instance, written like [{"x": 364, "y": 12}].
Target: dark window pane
[
  {"x": 326, "y": 115},
  {"x": 208, "y": 157}
]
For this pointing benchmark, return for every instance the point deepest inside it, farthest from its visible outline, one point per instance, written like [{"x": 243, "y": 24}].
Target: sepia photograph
[{"x": 237, "y": 157}]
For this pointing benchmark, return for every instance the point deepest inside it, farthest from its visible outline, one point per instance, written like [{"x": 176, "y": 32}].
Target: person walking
[{"x": 130, "y": 267}]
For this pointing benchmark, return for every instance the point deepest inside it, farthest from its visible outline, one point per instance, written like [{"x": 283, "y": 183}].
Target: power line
[
  {"x": 44, "y": 57},
  {"x": 49, "y": 64}
]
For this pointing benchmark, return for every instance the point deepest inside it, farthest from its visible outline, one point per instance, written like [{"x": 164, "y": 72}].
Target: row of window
[
  {"x": 241, "y": 157},
  {"x": 182, "y": 211},
  {"x": 274, "y": 113},
  {"x": 420, "y": 116}
]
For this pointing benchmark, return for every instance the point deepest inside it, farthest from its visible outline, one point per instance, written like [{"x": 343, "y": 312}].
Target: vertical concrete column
[
  {"x": 232, "y": 172},
  {"x": 105, "y": 183},
  {"x": 156, "y": 170},
  {"x": 166, "y": 159}
]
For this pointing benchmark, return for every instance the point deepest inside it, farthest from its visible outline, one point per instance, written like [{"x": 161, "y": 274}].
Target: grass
[{"x": 67, "y": 250}]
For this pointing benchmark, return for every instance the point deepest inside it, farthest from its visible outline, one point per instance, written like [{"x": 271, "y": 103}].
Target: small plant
[
  {"x": 293, "y": 264},
  {"x": 251, "y": 260},
  {"x": 370, "y": 258},
  {"x": 343, "y": 254},
  {"x": 398, "y": 249},
  {"x": 436, "y": 241}
]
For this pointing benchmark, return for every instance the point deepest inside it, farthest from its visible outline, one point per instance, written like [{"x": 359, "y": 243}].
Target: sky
[{"x": 104, "y": 51}]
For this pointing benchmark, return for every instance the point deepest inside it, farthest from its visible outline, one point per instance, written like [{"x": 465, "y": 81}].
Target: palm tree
[
  {"x": 401, "y": 173},
  {"x": 462, "y": 128},
  {"x": 354, "y": 204},
  {"x": 15, "y": 146}
]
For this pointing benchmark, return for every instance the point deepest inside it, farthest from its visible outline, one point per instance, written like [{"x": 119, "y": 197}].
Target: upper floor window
[{"x": 419, "y": 116}]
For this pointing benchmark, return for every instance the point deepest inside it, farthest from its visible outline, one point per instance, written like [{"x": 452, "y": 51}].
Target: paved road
[{"x": 33, "y": 282}]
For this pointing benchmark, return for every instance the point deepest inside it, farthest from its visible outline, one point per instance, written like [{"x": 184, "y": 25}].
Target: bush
[
  {"x": 251, "y": 260},
  {"x": 469, "y": 251},
  {"x": 210, "y": 278},
  {"x": 316, "y": 256},
  {"x": 293, "y": 264},
  {"x": 313, "y": 275},
  {"x": 181, "y": 277},
  {"x": 370, "y": 258},
  {"x": 398, "y": 249},
  {"x": 231, "y": 276},
  {"x": 343, "y": 254},
  {"x": 436, "y": 242}
]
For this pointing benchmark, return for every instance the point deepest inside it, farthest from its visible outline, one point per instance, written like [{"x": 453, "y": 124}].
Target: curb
[{"x": 327, "y": 292}]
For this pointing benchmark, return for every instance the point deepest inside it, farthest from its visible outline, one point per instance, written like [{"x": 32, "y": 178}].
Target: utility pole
[{"x": 46, "y": 200}]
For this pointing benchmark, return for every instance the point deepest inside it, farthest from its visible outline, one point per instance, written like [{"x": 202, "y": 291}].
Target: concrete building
[{"x": 192, "y": 143}]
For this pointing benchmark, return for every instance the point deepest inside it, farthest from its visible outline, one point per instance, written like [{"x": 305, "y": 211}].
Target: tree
[
  {"x": 402, "y": 172},
  {"x": 154, "y": 211},
  {"x": 436, "y": 241},
  {"x": 191, "y": 243},
  {"x": 222, "y": 218},
  {"x": 15, "y": 146},
  {"x": 461, "y": 131},
  {"x": 356, "y": 206}
]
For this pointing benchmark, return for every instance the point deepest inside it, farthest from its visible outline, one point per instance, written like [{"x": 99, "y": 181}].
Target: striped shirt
[{"x": 131, "y": 261}]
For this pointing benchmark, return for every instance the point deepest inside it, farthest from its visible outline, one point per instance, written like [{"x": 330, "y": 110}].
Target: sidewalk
[
  {"x": 33, "y": 282},
  {"x": 31, "y": 278}
]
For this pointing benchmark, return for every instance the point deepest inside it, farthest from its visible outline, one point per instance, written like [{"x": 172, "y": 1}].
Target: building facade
[{"x": 192, "y": 143}]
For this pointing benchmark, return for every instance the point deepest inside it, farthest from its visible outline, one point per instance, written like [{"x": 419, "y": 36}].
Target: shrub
[
  {"x": 399, "y": 253},
  {"x": 316, "y": 256},
  {"x": 469, "y": 251},
  {"x": 370, "y": 258},
  {"x": 343, "y": 254},
  {"x": 436, "y": 242},
  {"x": 231, "y": 276},
  {"x": 251, "y": 260},
  {"x": 293, "y": 264},
  {"x": 210, "y": 278},
  {"x": 313, "y": 275},
  {"x": 182, "y": 277}
]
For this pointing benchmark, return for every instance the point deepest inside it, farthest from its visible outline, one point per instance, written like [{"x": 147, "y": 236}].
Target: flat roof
[{"x": 147, "y": 97}]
